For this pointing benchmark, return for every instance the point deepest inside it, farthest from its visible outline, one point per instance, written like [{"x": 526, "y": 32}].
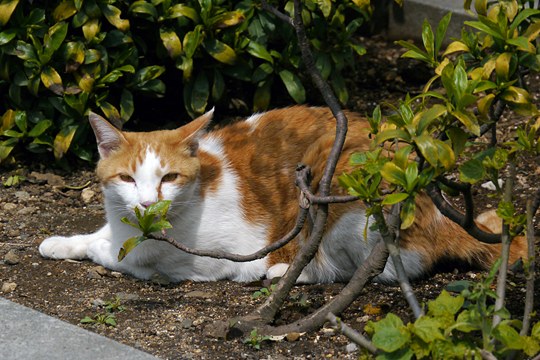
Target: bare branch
[
  {"x": 352, "y": 334},
  {"x": 217, "y": 254},
  {"x": 529, "y": 272},
  {"x": 372, "y": 266},
  {"x": 447, "y": 210},
  {"x": 390, "y": 235},
  {"x": 285, "y": 18},
  {"x": 302, "y": 182}
]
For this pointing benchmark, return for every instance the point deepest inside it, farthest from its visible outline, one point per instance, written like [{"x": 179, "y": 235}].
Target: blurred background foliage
[{"x": 60, "y": 59}]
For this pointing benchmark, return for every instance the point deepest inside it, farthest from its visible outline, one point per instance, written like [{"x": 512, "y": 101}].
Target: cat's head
[{"x": 137, "y": 169}]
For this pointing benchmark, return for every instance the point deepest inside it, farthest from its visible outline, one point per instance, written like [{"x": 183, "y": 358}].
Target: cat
[{"x": 232, "y": 189}]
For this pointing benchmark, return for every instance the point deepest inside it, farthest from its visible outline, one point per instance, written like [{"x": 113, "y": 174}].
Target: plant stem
[
  {"x": 390, "y": 239},
  {"x": 505, "y": 248},
  {"x": 352, "y": 334}
]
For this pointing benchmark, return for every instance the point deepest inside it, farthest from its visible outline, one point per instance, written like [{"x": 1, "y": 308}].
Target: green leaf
[
  {"x": 340, "y": 88},
  {"x": 467, "y": 119},
  {"x": 144, "y": 9},
  {"x": 220, "y": 51},
  {"x": 429, "y": 116},
  {"x": 200, "y": 93},
  {"x": 192, "y": 40},
  {"x": 508, "y": 336},
  {"x": 392, "y": 199},
  {"x": 390, "y": 333},
  {"x": 159, "y": 208},
  {"x": 445, "y": 305},
  {"x": 40, "y": 128},
  {"x": 427, "y": 329},
  {"x": 325, "y": 6},
  {"x": 7, "y": 7},
  {"x": 472, "y": 171},
  {"x": 64, "y": 10},
  {"x": 459, "y": 138},
  {"x": 127, "y": 106},
  {"x": 218, "y": 86},
  {"x": 129, "y": 245},
  {"x": 441, "y": 31},
  {"x": 407, "y": 214},
  {"x": 428, "y": 39},
  {"x": 486, "y": 26},
  {"x": 293, "y": 85},
  {"x": 181, "y": 10},
  {"x": 261, "y": 98},
  {"x": 7, "y": 35},
  {"x": 87, "y": 320},
  {"x": 54, "y": 39},
  {"x": 259, "y": 51},
  {"x": 428, "y": 148},
  {"x": 393, "y": 174},
  {"x": 392, "y": 134}
]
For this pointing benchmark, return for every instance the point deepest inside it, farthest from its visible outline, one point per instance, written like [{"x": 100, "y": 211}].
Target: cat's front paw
[{"x": 60, "y": 247}]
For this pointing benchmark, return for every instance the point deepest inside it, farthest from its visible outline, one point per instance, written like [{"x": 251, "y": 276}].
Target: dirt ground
[{"x": 178, "y": 321}]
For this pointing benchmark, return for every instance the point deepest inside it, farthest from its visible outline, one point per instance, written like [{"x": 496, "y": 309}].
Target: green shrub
[{"x": 59, "y": 59}]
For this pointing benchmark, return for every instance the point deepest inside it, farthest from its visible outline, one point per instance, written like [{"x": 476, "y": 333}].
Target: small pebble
[
  {"x": 293, "y": 336},
  {"x": 8, "y": 287},
  {"x": 350, "y": 348},
  {"x": 11, "y": 258},
  {"x": 10, "y": 206},
  {"x": 87, "y": 195}
]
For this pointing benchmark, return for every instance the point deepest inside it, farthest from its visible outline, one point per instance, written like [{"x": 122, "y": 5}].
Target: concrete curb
[{"x": 27, "y": 334}]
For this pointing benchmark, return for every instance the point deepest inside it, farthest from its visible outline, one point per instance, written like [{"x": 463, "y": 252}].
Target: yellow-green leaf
[
  {"x": 6, "y": 9},
  {"x": 86, "y": 83},
  {"x": 8, "y": 119},
  {"x": 172, "y": 42},
  {"x": 456, "y": 46},
  {"x": 392, "y": 199},
  {"x": 516, "y": 95},
  {"x": 484, "y": 105},
  {"x": 90, "y": 29},
  {"x": 227, "y": 19},
  {"x": 129, "y": 245},
  {"x": 502, "y": 65},
  {"x": 52, "y": 80},
  {"x": 408, "y": 210},
  {"x": 63, "y": 140},
  {"x": 467, "y": 119},
  {"x": 393, "y": 174},
  {"x": 64, "y": 10},
  {"x": 220, "y": 51},
  {"x": 112, "y": 13}
]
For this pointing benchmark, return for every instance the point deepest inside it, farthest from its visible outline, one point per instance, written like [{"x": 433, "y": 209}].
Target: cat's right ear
[{"x": 107, "y": 136}]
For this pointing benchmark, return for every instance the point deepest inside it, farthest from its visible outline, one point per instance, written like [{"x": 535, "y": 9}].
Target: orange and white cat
[{"x": 233, "y": 189}]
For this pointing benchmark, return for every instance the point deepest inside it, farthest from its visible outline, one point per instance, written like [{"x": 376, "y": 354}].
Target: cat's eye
[
  {"x": 170, "y": 177},
  {"x": 126, "y": 178}
]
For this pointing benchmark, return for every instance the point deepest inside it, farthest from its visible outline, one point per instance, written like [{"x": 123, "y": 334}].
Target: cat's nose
[{"x": 146, "y": 204}]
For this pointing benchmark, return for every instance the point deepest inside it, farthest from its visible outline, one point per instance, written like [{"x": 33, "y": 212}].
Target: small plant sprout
[
  {"x": 152, "y": 220},
  {"x": 107, "y": 317},
  {"x": 254, "y": 340}
]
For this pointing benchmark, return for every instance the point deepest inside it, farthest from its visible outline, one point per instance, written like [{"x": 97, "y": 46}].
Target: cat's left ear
[{"x": 192, "y": 132}]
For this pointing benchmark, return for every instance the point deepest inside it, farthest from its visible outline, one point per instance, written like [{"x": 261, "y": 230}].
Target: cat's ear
[
  {"x": 192, "y": 132},
  {"x": 108, "y": 137}
]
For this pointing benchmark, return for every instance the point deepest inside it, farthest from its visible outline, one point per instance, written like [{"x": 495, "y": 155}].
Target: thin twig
[
  {"x": 529, "y": 272},
  {"x": 352, "y": 334},
  {"x": 217, "y": 254},
  {"x": 267, "y": 7},
  {"x": 505, "y": 251}
]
